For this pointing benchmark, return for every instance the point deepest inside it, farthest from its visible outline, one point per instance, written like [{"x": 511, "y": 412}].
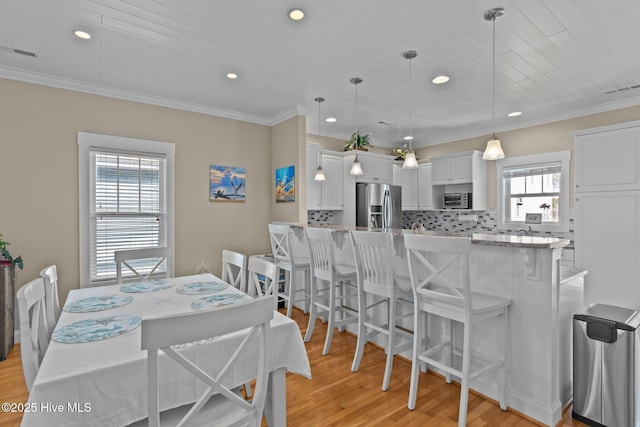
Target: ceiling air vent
[
  {"x": 622, "y": 89},
  {"x": 385, "y": 123},
  {"x": 8, "y": 49}
]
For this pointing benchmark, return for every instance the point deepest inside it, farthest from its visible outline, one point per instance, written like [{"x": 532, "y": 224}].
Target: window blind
[{"x": 127, "y": 207}]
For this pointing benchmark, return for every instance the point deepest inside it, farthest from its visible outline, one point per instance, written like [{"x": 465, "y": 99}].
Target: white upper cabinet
[
  {"x": 333, "y": 187},
  {"x": 328, "y": 194},
  {"x": 408, "y": 180},
  {"x": 460, "y": 173},
  {"x": 417, "y": 192},
  {"x": 425, "y": 188},
  {"x": 375, "y": 167},
  {"x": 314, "y": 188},
  {"x": 607, "y": 160},
  {"x": 452, "y": 170}
]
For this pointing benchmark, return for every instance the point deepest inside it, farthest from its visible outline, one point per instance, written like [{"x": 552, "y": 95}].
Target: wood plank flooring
[{"x": 335, "y": 396}]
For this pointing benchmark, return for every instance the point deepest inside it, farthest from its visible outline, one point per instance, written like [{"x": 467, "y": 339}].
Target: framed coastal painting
[
  {"x": 286, "y": 184},
  {"x": 226, "y": 184}
]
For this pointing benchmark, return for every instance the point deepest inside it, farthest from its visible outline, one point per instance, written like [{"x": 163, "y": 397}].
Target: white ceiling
[{"x": 555, "y": 59}]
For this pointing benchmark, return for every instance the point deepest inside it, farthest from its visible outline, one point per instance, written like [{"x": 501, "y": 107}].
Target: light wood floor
[{"x": 338, "y": 397}]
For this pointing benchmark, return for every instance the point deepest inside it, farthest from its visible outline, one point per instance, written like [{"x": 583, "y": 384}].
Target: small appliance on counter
[
  {"x": 378, "y": 205},
  {"x": 458, "y": 201}
]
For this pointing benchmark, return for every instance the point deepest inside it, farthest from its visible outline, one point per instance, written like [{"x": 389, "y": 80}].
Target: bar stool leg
[{"x": 466, "y": 364}]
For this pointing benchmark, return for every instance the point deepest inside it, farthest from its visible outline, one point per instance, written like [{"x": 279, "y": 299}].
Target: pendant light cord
[
  {"x": 493, "y": 85},
  {"x": 410, "y": 105}
]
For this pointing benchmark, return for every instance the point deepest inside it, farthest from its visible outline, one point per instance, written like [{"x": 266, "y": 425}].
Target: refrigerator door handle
[{"x": 386, "y": 221}]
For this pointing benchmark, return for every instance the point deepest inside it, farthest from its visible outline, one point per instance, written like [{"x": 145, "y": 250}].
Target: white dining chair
[
  {"x": 234, "y": 269},
  {"x": 52, "y": 301},
  {"x": 375, "y": 268},
  {"x": 262, "y": 279},
  {"x": 294, "y": 260},
  {"x": 441, "y": 284},
  {"x": 219, "y": 404},
  {"x": 148, "y": 262},
  {"x": 332, "y": 279},
  {"x": 33, "y": 320}
]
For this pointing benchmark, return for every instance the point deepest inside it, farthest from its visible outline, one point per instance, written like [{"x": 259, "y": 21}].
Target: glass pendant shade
[
  {"x": 410, "y": 161},
  {"x": 493, "y": 150},
  {"x": 319, "y": 175},
  {"x": 356, "y": 167}
]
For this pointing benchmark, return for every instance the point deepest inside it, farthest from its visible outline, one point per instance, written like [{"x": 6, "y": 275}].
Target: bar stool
[
  {"x": 430, "y": 257},
  {"x": 293, "y": 259},
  {"x": 340, "y": 280},
  {"x": 375, "y": 267}
]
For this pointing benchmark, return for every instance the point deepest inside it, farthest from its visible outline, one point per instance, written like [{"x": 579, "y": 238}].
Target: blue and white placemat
[
  {"x": 89, "y": 304},
  {"x": 217, "y": 300},
  {"x": 147, "y": 286},
  {"x": 201, "y": 288},
  {"x": 90, "y": 330}
]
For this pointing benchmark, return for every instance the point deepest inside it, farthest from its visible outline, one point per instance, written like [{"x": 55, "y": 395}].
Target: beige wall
[{"x": 39, "y": 173}]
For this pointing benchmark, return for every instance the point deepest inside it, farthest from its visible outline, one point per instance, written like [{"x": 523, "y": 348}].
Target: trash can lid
[{"x": 625, "y": 318}]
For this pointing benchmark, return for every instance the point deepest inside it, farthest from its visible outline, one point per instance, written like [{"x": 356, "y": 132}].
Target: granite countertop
[{"x": 510, "y": 240}]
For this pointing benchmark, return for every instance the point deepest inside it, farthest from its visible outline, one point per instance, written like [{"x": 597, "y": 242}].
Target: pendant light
[
  {"x": 356, "y": 167},
  {"x": 493, "y": 150},
  {"x": 319, "y": 172},
  {"x": 410, "y": 161}
]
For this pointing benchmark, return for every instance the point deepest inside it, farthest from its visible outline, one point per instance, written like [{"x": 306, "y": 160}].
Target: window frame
[
  {"x": 562, "y": 157},
  {"x": 93, "y": 141}
]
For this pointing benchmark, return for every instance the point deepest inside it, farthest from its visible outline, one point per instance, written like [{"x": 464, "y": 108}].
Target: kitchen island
[{"x": 544, "y": 297}]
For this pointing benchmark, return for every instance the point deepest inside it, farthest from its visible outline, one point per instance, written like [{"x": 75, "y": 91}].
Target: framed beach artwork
[
  {"x": 226, "y": 184},
  {"x": 286, "y": 184}
]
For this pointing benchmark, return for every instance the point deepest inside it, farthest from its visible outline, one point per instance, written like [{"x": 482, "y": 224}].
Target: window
[
  {"x": 534, "y": 184},
  {"x": 126, "y": 201}
]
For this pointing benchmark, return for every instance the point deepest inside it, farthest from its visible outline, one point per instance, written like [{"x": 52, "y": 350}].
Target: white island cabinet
[{"x": 527, "y": 270}]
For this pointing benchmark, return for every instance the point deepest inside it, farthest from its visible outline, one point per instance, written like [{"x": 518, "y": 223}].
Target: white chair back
[
  {"x": 321, "y": 255},
  {"x": 52, "y": 301},
  {"x": 234, "y": 269},
  {"x": 374, "y": 254},
  {"x": 226, "y": 407},
  {"x": 262, "y": 277},
  {"x": 430, "y": 258},
  {"x": 31, "y": 309},
  {"x": 156, "y": 255},
  {"x": 280, "y": 245}
]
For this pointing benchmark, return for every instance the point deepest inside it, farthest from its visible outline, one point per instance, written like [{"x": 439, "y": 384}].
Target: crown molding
[
  {"x": 298, "y": 110},
  {"x": 95, "y": 89}
]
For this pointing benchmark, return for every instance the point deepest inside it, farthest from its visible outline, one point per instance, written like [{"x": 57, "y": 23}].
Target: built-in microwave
[{"x": 458, "y": 200}]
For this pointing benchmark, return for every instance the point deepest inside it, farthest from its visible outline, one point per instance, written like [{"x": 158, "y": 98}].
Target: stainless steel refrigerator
[{"x": 378, "y": 205}]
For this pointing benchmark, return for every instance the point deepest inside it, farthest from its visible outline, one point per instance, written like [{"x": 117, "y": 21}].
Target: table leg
[{"x": 276, "y": 404}]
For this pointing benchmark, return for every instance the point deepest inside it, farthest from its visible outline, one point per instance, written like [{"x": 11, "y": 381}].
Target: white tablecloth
[{"x": 108, "y": 379}]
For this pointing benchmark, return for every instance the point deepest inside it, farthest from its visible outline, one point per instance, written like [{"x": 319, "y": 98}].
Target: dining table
[{"x": 95, "y": 373}]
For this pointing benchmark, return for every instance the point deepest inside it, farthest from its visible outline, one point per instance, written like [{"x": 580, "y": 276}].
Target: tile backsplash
[{"x": 448, "y": 221}]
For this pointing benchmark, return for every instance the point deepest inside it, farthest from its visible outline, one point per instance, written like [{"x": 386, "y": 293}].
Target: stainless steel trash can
[
  {"x": 605, "y": 366},
  {"x": 7, "y": 298}
]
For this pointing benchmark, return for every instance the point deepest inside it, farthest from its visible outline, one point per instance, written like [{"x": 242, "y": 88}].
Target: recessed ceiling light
[
  {"x": 296, "y": 14},
  {"x": 515, "y": 114},
  {"x": 408, "y": 138},
  {"x": 330, "y": 120},
  {"x": 82, "y": 34},
  {"x": 438, "y": 80},
  {"x": 232, "y": 76}
]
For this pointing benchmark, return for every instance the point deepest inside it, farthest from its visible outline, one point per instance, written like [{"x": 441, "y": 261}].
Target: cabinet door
[
  {"x": 368, "y": 167},
  {"x": 607, "y": 161},
  {"x": 425, "y": 189},
  {"x": 383, "y": 170},
  {"x": 313, "y": 187},
  {"x": 441, "y": 171},
  {"x": 607, "y": 244},
  {"x": 332, "y": 188},
  {"x": 408, "y": 180},
  {"x": 461, "y": 169}
]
